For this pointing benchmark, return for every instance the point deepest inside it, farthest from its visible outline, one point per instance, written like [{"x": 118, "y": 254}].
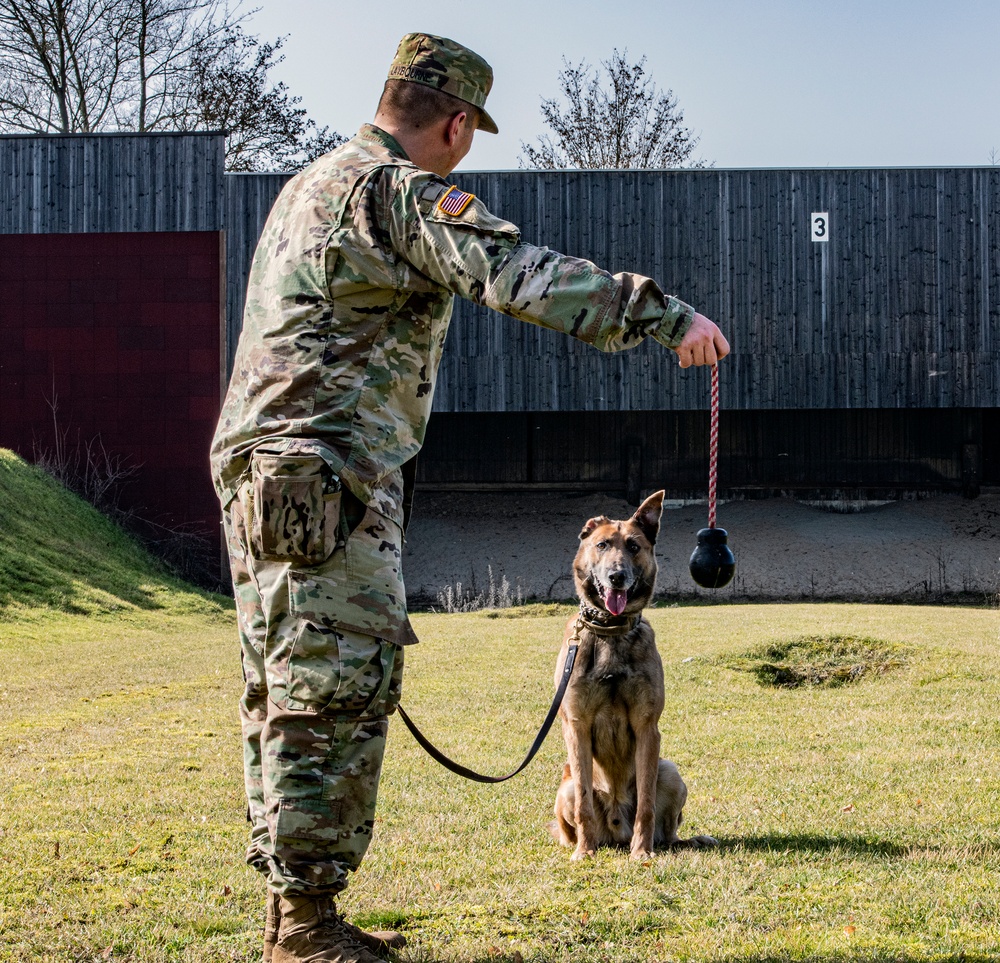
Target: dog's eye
[
  {"x": 602, "y": 545},
  {"x": 632, "y": 547}
]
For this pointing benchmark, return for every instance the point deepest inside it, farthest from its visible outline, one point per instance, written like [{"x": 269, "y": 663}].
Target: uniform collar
[{"x": 372, "y": 133}]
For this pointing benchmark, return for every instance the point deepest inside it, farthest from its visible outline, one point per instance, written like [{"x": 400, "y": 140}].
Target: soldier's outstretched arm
[{"x": 451, "y": 237}]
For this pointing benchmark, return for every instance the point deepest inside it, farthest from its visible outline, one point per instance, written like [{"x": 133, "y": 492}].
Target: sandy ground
[{"x": 920, "y": 549}]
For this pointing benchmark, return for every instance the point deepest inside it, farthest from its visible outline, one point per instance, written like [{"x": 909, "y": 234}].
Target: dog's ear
[
  {"x": 592, "y": 524},
  {"x": 647, "y": 516}
]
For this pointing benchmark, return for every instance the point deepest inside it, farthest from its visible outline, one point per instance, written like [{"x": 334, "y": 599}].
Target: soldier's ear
[
  {"x": 593, "y": 523},
  {"x": 647, "y": 516},
  {"x": 455, "y": 125}
]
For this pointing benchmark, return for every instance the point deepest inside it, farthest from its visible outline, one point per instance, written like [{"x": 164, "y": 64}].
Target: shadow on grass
[
  {"x": 858, "y": 845},
  {"x": 810, "y": 843},
  {"x": 860, "y": 956}
]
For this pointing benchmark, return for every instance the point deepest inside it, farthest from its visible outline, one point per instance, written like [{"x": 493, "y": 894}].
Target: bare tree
[
  {"x": 266, "y": 128},
  {"x": 170, "y": 37},
  {"x": 71, "y": 66},
  {"x": 77, "y": 66},
  {"x": 625, "y": 122},
  {"x": 60, "y": 62}
]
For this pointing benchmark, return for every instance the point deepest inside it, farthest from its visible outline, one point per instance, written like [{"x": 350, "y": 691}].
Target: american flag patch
[{"x": 455, "y": 201}]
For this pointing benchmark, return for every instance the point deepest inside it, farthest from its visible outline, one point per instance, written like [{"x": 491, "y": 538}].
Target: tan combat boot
[
  {"x": 378, "y": 941},
  {"x": 271, "y": 923},
  {"x": 303, "y": 929}
]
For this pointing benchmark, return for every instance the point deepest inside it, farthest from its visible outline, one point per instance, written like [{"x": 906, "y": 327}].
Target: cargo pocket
[
  {"x": 294, "y": 510},
  {"x": 333, "y": 669},
  {"x": 351, "y": 618}
]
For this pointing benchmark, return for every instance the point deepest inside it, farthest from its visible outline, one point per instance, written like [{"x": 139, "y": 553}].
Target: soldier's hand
[{"x": 704, "y": 343}]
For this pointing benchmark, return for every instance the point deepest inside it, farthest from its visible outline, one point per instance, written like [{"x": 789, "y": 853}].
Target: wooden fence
[
  {"x": 840, "y": 346},
  {"x": 92, "y": 183},
  {"x": 899, "y": 307}
]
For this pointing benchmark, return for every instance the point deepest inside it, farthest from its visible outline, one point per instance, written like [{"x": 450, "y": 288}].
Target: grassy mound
[
  {"x": 58, "y": 554},
  {"x": 821, "y": 660}
]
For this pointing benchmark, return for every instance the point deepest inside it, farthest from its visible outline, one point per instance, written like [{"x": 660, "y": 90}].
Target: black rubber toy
[{"x": 712, "y": 562}]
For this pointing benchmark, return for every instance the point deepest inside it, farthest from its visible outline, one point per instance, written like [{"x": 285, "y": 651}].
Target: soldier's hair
[{"x": 419, "y": 106}]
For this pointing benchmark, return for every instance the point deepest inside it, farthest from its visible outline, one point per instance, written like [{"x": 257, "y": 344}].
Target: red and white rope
[{"x": 713, "y": 459}]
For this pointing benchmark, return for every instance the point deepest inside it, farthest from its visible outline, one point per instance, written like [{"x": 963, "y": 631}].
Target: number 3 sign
[{"x": 820, "y": 226}]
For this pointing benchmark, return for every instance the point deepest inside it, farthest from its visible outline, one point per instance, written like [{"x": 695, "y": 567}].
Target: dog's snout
[{"x": 618, "y": 578}]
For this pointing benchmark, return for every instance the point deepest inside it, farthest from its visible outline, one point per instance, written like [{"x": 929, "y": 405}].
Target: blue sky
[{"x": 790, "y": 83}]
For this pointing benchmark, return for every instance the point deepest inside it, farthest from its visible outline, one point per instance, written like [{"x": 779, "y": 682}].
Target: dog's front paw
[
  {"x": 705, "y": 842},
  {"x": 642, "y": 846},
  {"x": 641, "y": 854},
  {"x": 581, "y": 852}
]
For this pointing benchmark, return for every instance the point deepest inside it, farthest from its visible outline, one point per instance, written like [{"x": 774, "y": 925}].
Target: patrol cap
[{"x": 448, "y": 66}]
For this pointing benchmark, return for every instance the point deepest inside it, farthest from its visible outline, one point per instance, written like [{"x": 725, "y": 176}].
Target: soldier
[{"x": 347, "y": 309}]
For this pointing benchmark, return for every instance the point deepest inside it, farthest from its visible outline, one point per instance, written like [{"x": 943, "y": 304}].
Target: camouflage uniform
[{"x": 348, "y": 306}]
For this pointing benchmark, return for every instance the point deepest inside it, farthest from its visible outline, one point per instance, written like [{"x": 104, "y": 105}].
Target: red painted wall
[{"x": 124, "y": 332}]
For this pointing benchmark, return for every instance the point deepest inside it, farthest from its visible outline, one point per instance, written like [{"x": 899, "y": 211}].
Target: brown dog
[{"x": 615, "y": 790}]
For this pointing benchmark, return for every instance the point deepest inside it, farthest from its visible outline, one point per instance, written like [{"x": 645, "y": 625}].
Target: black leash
[{"x": 461, "y": 770}]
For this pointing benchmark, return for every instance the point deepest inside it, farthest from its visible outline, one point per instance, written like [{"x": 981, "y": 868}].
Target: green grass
[
  {"x": 858, "y": 823},
  {"x": 57, "y": 554}
]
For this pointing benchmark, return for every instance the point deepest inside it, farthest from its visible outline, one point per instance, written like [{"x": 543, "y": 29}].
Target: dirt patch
[{"x": 924, "y": 549}]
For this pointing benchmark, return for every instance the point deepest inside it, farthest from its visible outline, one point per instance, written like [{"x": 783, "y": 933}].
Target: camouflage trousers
[{"x": 322, "y": 620}]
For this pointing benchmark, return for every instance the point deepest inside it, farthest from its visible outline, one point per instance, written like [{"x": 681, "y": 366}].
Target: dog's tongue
[{"x": 615, "y": 601}]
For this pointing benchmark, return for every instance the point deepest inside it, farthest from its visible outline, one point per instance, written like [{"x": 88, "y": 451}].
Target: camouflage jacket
[{"x": 348, "y": 306}]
